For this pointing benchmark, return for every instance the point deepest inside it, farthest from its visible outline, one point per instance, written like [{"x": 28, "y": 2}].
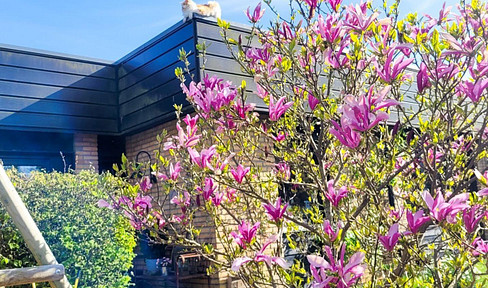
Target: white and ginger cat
[{"x": 211, "y": 9}]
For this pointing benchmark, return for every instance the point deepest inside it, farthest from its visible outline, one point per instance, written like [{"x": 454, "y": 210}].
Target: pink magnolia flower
[
  {"x": 174, "y": 172},
  {"x": 312, "y": 101},
  {"x": 330, "y": 28},
  {"x": 330, "y": 231},
  {"x": 275, "y": 212},
  {"x": 336, "y": 59},
  {"x": 278, "y": 109},
  {"x": 391, "y": 70},
  {"x": 357, "y": 18},
  {"x": 423, "y": 81},
  {"x": 104, "y": 204},
  {"x": 243, "y": 109},
  {"x": 141, "y": 204},
  {"x": 183, "y": 200},
  {"x": 338, "y": 273},
  {"x": 231, "y": 194},
  {"x": 312, "y": 3},
  {"x": 390, "y": 240},
  {"x": 440, "y": 209},
  {"x": 444, "y": 71},
  {"x": 334, "y": 195},
  {"x": 240, "y": 173},
  {"x": 246, "y": 233},
  {"x": 482, "y": 193},
  {"x": 474, "y": 90},
  {"x": 286, "y": 32},
  {"x": 334, "y": 4},
  {"x": 261, "y": 257},
  {"x": 208, "y": 188},
  {"x": 211, "y": 94},
  {"x": 261, "y": 92},
  {"x": 202, "y": 159},
  {"x": 160, "y": 221},
  {"x": 363, "y": 113},
  {"x": 145, "y": 184},
  {"x": 280, "y": 136},
  {"x": 396, "y": 214},
  {"x": 218, "y": 198},
  {"x": 415, "y": 221},
  {"x": 480, "y": 246},
  {"x": 283, "y": 170},
  {"x": 472, "y": 217},
  {"x": 256, "y": 15},
  {"x": 345, "y": 134}
]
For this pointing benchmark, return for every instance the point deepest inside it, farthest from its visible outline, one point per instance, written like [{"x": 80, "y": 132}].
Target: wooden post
[
  {"x": 38, "y": 274},
  {"x": 22, "y": 219}
]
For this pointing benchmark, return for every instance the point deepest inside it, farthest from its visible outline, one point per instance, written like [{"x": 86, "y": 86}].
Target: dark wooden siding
[
  {"x": 148, "y": 88},
  {"x": 42, "y": 91}
]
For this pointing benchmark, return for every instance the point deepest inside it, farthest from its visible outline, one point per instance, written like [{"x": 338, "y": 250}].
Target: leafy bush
[{"x": 81, "y": 235}]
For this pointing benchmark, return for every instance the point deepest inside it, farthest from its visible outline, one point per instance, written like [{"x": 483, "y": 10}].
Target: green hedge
[{"x": 81, "y": 235}]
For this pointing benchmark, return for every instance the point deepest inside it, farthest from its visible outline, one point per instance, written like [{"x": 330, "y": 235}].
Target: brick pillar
[{"x": 86, "y": 152}]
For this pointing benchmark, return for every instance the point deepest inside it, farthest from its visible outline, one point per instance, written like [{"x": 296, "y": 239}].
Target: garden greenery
[
  {"x": 366, "y": 170},
  {"x": 81, "y": 235}
]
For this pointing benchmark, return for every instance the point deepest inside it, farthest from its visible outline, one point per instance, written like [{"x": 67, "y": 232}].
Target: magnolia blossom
[
  {"x": 202, "y": 159},
  {"x": 208, "y": 189},
  {"x": 275, "y": 212},
  {"x": 174, "y": 172},
  {"x": 256, "y": 15},
  {"x": 145, "y": 184},
  {"x": 330, "y": 231},
  {"x": 480, "y": 246},
  {"x": 283, "y": 170},
  {"x": 357, "y": 18},
  {"x": 239, "y": 173},
  {"x": 312, "y": 101},
  {"x": 391, "y": 70},
  {"x": 212, "y": 93},
  {"x": 337, "y": 273},
  {"x": 261, "y": 257},
  {"x": 474, "y": 90},
  {"x": 345, "y": 134},
  {"x": 330, "y": 28},
  {"x": 415, "y": 221},
  {"x": 472, "y": 216},
  {"x": 218, "y": 198},
  {"x": 442, "y": 210},
  {"x": 363, "y": 113},
  {"x": 279, "y": 108},
  {"x": 423, "y": 78},
  {"x": 334, "y": 4},
  {"x": 334, "y": 195},
  {"x": 183, "y": 201},
  {"x": 390, "y": 240},
  {"x": 246, "y": 233},
  {"x": 280, "y": 136}
]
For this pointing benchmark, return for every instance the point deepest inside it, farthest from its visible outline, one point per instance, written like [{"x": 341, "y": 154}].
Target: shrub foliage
[{"x": 81, "y": 235}]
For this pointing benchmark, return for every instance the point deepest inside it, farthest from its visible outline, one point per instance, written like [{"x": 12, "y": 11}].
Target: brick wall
[
  {"x": 86, "y": 151},
  {"x": 147, "y": 141}
]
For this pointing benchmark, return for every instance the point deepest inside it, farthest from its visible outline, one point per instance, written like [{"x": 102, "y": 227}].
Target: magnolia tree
[{"x": 365, "y": 168}]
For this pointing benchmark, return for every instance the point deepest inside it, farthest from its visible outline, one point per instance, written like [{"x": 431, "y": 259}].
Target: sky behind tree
[{"x": 110, "y": 29}]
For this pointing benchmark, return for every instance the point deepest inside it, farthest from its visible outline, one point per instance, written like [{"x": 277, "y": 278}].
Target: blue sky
[{"x": 109, "y": 29}]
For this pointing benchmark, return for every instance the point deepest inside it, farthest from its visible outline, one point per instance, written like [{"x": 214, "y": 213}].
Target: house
[
  {"x": 61, "y": 111},
  {"x": 92, "y": 110}
]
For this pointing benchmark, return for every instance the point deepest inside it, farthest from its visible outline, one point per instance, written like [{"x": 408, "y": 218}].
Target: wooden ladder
[{"x": 49, "y": 271}]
